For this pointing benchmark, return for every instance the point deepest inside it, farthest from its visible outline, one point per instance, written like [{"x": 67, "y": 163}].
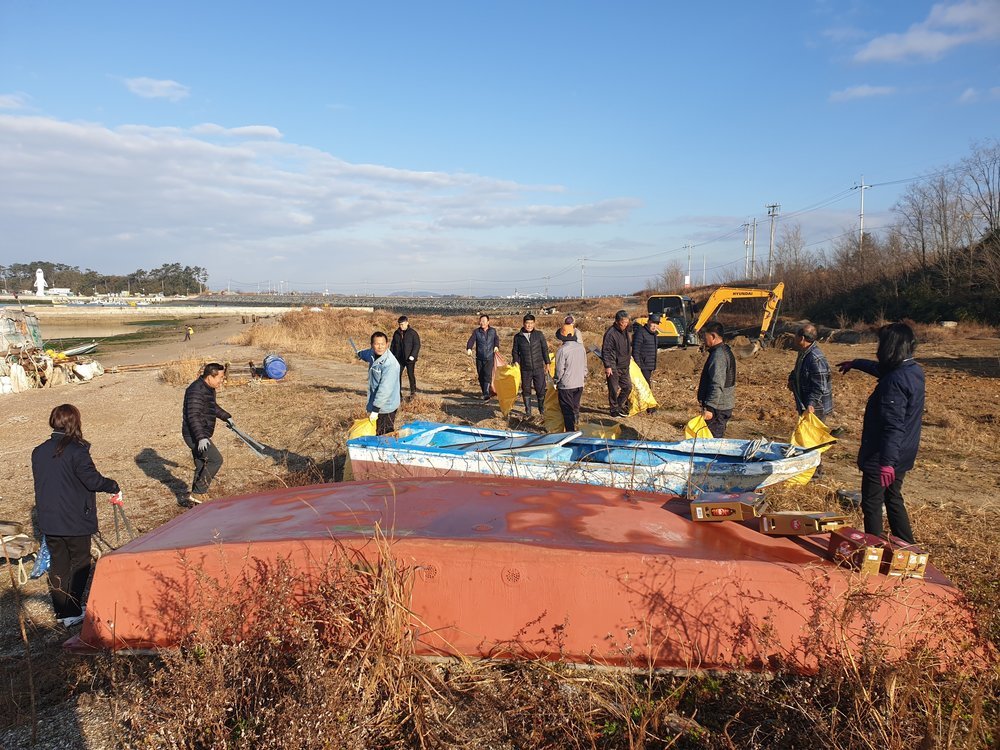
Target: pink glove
[
  {"x": 887, "y": 475},
  {"x": 116, "y": 499},
  {"x": 845, "y": 366}
]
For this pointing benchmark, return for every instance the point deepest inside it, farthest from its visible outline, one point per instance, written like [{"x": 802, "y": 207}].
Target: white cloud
[
  {"x": 969, "y": 96},
  {"x": 236, "y": 199},
  {"x": 946, "y": 27},
  {"x": 14, "y": 101},
  {"x": 864, "y": 91},
  {"x": 244, "y": 131},
  {"x": 151, "y": 88}
]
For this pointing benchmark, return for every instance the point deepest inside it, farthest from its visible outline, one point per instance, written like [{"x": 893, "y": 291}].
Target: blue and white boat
[{"x": 687, "y": 467}]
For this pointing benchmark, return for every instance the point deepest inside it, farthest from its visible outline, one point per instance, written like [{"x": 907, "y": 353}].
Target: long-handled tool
[{"x": 258, "y": 448}]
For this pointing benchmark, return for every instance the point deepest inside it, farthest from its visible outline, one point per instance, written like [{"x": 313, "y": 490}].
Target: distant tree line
[
  {"x": 170, "y": 278},
  {"x": 939, "y": 259}
]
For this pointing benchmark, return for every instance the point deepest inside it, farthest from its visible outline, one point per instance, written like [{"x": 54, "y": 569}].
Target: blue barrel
[{"x": 275, "y": 367}]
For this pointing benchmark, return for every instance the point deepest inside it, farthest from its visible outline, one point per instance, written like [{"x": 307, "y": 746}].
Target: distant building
[{"x": 61, "y": 291}]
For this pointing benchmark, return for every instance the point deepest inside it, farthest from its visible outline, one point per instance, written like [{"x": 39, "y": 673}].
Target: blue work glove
[
  {"x": 845, "y": 367},
  {"x": 203, "y": 445},
  {"x": 886, "y": 475}
]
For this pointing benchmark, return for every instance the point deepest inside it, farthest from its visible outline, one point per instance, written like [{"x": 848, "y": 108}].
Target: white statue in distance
[{"x": 40, "y": 282}]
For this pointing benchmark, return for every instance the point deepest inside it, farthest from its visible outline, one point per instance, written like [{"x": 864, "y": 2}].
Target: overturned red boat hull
[{"x": 506, "y": 567}]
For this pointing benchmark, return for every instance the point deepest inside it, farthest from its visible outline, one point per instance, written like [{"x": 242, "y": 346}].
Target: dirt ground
[{"x": 133, "y": 422}]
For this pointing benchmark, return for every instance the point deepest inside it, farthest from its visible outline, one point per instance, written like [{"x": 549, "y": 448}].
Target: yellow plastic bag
[
  {"x": 552, "y": 414},
  {"x": 603, "y": 430},
  {"x": 507, "y": 381},
  {"x": 361, "y": 428},
  {"x": 641, "y": 397},
  {"x": 697, "y": 428},
  {"x": 810, "y": 432}
]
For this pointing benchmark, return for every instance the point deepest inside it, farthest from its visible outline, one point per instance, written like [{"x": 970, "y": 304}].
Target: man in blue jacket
[
  {"x": 890, "y": 435},
  {"x": 484, "y": 342},
  {"x": 383, "y": 383}
]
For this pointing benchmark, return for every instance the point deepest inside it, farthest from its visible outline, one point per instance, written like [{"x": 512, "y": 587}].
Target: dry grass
[
  {"x": 301, "y": 683},
  {"x": 182, "y": 372}
]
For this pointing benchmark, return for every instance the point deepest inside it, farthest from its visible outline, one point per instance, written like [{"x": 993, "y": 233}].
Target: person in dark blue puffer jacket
[
  {"x": 66, "y": 483},
  {"x": 890, "y": 436}
]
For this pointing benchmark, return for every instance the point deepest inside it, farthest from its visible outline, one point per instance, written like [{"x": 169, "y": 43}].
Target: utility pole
[
  {"x": 772, "y": 210},
  {"x": 704, "y": 270},
  {"x": 753, "y": 251},
  {"x": 861, "y": 234},
  {"x": 582, "y": 295},
  {"x": 546, "y": 286},
  {"x": 746, "y": 250},
  {"x": 687, "y": 279}
]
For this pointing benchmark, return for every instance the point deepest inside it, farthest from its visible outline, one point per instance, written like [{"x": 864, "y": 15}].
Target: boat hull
[
  {"x": 523, "y": 569},
  {"x": 640, "y": 467}
]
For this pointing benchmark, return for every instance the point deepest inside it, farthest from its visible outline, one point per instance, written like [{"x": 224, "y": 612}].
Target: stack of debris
[{"x": 25, "y": 364}]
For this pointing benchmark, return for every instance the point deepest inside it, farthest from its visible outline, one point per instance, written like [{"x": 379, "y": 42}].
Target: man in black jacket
[
  {"x": 616, "y": 353},
  {"x": 405, "y": 347},
  {"x": 200, "y": 413},
  {"x": 531, "y": 352}
]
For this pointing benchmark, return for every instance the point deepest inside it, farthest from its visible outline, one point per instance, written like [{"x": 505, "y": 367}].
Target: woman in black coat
[
  {"x": 890, "y": 436},
  {"x": 66, "y": 481}
]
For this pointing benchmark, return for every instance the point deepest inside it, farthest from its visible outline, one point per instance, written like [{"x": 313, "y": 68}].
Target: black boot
[
  {"x": 527, "y": 405},
  {"x": 540, "y": 402}
]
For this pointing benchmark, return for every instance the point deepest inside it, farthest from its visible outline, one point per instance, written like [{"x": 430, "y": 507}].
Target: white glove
[
  {"x": 411, "y": 359},
  {"x": 469, "y": 352},
  {"x": 373, "y": 416},
  {"x": 231, "y": 423},
  {"x": 117, "y": 499},
  {"x": 203, "y": 445}
]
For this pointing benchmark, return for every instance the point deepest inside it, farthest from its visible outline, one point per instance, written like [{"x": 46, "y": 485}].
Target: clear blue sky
[{"x": 457, "y": 146}]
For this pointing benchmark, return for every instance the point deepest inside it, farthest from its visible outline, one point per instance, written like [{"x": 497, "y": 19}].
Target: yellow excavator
[{"x": 678, "y": 326}]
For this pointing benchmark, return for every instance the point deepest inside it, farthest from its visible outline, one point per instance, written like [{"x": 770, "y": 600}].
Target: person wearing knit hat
[
  {"x": 405, "y": 347},
  {"x": 568, "y": 328},
  {"x": 571, "y": 370},
  {"x": 644, "y": 343}
]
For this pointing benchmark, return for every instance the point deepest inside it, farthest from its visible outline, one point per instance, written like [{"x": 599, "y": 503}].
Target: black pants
[
  {"x": 69, "y": 570},
  {"x": 874, "y": 496},
  {"x": 385, "y": 423},
  {"x": 206, "y": 465},
  {"x": 534, "y": 378},
  {"x": 484, "y": 367},
  {"x": 408, "y": 366},
  {"x": 619, "y": 388},
  {"x": 648, "y": 374},
  {"x": 569, "y": 405},
  {"x": 717, "y": 424}
]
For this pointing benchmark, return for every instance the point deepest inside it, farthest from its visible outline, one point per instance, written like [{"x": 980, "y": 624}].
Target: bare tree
[
  {"x": 982, "y": 185},
  {"x": 670, "y": 279}
]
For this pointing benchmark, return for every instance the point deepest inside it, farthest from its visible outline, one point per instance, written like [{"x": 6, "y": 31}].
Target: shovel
[{"x": 256, "y": 447}]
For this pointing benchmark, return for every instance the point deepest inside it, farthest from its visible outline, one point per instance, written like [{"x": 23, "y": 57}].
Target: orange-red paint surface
[{"x": 526, "y": 568}]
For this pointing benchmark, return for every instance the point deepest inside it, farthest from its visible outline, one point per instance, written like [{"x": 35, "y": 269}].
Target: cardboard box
[
  {"x": 797, "y": 522},
  {"x": 856, "y": 549},
  {"x": 727, "y": 506},
  {"x": 905, "y": 561}
]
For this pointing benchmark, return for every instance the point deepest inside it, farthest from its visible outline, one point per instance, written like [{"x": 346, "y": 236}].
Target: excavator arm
[{"x": 726, "y": 294}]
